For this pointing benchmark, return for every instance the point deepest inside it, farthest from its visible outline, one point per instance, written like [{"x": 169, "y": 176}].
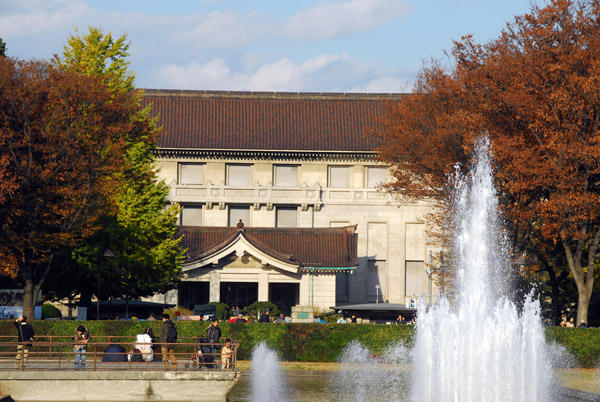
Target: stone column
[
  {"x": 305, "y": 289},
  {"x": 215, "y": 286},
  {"x": 263, "y": 286}
]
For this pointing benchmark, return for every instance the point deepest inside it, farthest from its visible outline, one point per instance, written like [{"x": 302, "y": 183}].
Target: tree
[
  {"x": 99, "y": 55},
  {"x": 535, "y": 91},
  {"x": 62, "y": 135},
  {"x": 2, "y": 48},
  {"x": 137, "y": 228}
]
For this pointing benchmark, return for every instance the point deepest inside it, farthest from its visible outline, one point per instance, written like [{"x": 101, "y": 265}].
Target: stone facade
[{"x": 306, "y": 188}]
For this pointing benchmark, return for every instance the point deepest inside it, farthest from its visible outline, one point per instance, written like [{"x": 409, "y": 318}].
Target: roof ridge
[{"x": 265, "y": 95}]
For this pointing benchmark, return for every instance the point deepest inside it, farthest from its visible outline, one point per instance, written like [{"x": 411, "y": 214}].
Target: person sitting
[
  {"x": 143, "y": 343},
  {"x": 114, "y": 353}
]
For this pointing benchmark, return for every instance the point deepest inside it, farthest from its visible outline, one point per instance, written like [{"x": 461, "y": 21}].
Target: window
[
  {"x": 339, "y": 176},
  {"x": 239, "y": 175},
  {"x": 375, "y": 176},
  {"x": 237, "y": 213},
  {"x": 414, "y": 278},
  {"x": 285, "y": 175},
  {"x": 191, "y": 215},
  {"x": 287, "y": 217},
  {"x": 191, "y": 173}
]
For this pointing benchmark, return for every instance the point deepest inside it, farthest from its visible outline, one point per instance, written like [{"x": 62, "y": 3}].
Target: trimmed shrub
[
  {"x": 259, "y": 307},
  {"x": 222, "y": 310},
  {"x": 50, "y": 311}
]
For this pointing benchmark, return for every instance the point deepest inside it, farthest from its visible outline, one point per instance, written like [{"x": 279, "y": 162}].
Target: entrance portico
[{"x": 244, "y": 265}]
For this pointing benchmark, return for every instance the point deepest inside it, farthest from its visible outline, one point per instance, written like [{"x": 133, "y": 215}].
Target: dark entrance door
[
  {"x": 192, "y": 293},
  {"x": 239, "y": 294},
  {"x": 284, "y": 296}
]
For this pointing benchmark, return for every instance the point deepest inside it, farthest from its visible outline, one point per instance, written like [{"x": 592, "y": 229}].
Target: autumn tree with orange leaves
[
  {"x": 62, "y": 134},
  {"x": 536, "y": 91}
]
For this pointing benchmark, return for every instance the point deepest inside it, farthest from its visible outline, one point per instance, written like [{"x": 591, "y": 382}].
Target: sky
[{"x": 373, "y": 46}]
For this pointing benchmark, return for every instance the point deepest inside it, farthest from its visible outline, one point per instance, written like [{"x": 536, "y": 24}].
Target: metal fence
[{"x": 113, "y": 353}]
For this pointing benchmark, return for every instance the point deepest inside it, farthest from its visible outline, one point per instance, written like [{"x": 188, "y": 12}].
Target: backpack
[{"x": 171, "y": 334}]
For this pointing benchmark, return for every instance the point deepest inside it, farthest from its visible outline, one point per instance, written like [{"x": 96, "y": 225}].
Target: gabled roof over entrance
[
  {"x": 291, "y": 248},
  {"x": 213, "y": 120}
]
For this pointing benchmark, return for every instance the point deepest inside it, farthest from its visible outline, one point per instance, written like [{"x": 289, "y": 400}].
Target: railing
[{"x": 56, "y": 353}]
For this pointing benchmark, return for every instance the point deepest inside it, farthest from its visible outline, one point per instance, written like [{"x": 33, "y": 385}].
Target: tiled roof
[
  {"x": 266, "y": 121},
  {"x": 305, "y": 247}
]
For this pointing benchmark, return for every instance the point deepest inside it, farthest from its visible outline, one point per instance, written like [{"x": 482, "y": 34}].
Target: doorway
[
  {"x": 239, "y": 294},
  {"x": 284, "y": 296}
]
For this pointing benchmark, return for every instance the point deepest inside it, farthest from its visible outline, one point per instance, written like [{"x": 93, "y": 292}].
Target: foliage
[
  {"x": 222, "y": 311},
  {"x": 2, "y": 47},
  {"x": 100, "y": 55},
  {"x": 177, "y": 310},
  {"x": 50, "y": 311},
  {"x": 254, "y": 310},
  {"x": 135, "y": 225},
  {"x": 534, "y": 91},
  {"x": 582, "y": 343},
  {"x": 62, "y": 135}
]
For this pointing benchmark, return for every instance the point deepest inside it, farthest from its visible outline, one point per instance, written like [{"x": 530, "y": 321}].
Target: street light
[
  {"x": 377, "y": 287},
  {"x": 107, "y": 253}
]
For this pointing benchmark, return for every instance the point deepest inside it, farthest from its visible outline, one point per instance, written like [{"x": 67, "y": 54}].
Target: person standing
[
  {"x": 264, "y": 317},
  {"x": 168, "y": 336},
  {"x": 213, "y": 334},
  {"x": 80, "y": 342},
  {"x": 25, "y": 334},
  {"x": 226, "y": 354}
]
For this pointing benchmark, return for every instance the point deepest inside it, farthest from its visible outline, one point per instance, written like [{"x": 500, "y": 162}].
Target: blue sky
[{"x": 263, "y": 45}]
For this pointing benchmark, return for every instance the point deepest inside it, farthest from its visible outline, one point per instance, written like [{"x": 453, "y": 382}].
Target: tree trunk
[
  {"x": 29, "y": 299},
  {"x": 583, "y": 303},
  {"x": 584, "y": 279}
]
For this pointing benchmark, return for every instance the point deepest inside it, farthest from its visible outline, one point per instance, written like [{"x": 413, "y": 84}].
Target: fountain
[
  {"x": 364, "y": 377},
  {"x": 266, "y": 376},
  {"x": 480, "y": 348}
]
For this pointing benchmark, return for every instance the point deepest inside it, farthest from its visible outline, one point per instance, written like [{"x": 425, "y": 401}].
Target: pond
[{"x": 305, "y": 388}]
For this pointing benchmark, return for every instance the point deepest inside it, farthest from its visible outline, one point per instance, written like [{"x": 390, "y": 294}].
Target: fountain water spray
[
  {"x": 266, "y": 376},
  {"x": 481, "y": 348},
  {"x": 364, "y": 377}
]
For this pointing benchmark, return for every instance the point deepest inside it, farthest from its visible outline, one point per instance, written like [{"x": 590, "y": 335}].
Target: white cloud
[
  {"x": 330, "y": 20},
  {"x": 224, "y": 28},
  {"x": 40, "y": 16},
  {"x": 281, "y": 75},
  {"x": 325, "y": 72},
  {"x": 388, "y": 84}
]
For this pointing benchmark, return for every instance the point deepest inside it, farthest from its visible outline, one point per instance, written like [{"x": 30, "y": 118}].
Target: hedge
[{"x": 304, "y": 342}]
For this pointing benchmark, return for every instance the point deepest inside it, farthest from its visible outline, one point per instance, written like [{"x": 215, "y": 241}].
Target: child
[{"x": 226, "y": 353}]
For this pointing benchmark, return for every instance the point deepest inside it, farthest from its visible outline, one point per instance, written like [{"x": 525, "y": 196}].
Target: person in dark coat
[
  {"x": 167, "y": 348},
  {"x": 213, "y": 333},
  {"x": 114, "y": 353},
  {"x": 264, "y": 317},
  {"x": 25, "y": 334}
]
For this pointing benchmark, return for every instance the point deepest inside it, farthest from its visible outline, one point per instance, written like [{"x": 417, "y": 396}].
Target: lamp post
[
  {"x": 108, "y": 254},
  {"x": 377, "y": 287}
]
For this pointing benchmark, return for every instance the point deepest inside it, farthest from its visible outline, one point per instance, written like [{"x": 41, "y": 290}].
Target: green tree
[
  {"x": 2, "y": 47},
  {"x": 100, "y": 55},
  {"x": 136, "y": 226}
]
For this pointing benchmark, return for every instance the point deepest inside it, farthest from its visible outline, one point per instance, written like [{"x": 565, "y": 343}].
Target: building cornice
[{"x": 172, "y": 153}]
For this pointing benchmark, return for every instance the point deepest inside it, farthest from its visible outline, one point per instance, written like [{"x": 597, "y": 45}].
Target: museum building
[{"x": 281, "y": 200}]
